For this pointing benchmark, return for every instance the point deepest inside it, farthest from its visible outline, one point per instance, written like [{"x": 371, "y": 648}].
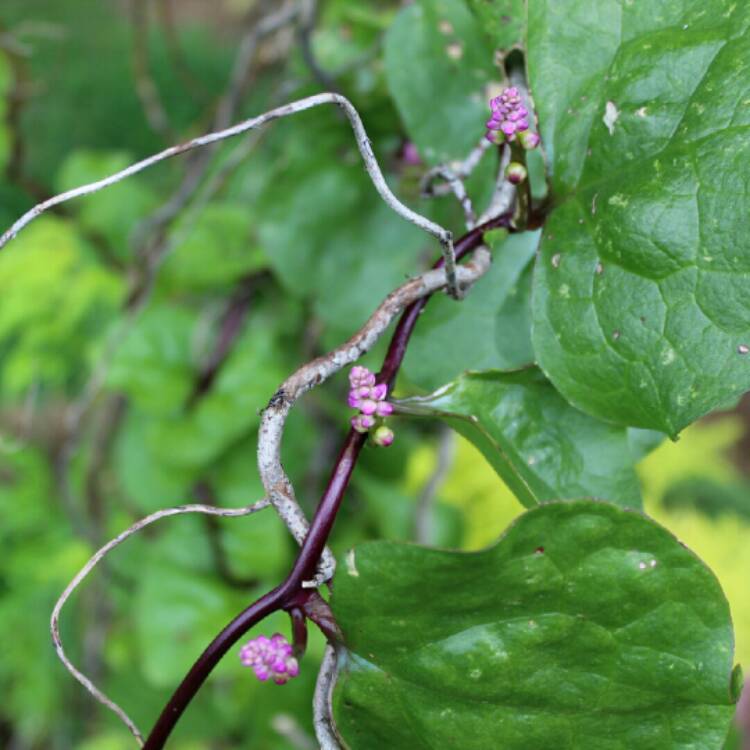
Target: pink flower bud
[
  {"x": 383, "y": 409},
  {"x": 270, "y": 658},
  {"x": 529, "y": 140},
  {"x": 363, "y": 422},
  {"x": 383, "y": 436},
  {"x": 410, "y": 155},
  {"x": 509, "y": 117},
  {"x": 515, "y": 173},
  {"x": 361, "y": 376}
]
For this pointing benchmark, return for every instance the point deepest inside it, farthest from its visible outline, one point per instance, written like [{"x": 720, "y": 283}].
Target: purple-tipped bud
[
  {"x": 379, "y": 392},
  {"x": 363, "y": 422},
  {"x": 515, "y": 173},
  {"x": 368, "y": 406},
  {"x": 270, "y": 658},
  {"x": 509, "y": 117},
  {"x": 410, "y": 155},
  {"x": 383, "y": 436},
  {"x": 383, "y": 409},
  {"x": 361, "y": 376},
  {"x": 528, "y": 139}
]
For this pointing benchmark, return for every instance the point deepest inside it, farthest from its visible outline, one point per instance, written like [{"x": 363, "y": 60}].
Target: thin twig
[
  {"x": 305, "y": 28},
  {"x": 504, "y": 194},
  {"x": 325, "y": 728},
  {"x": 91, "y": 564},
  {"x": 145, "y": 86},
  {"x": 456, "y": 186},
  {"x": 460, "y": 170},
  {"x": 276, "y": 483},
  {"x": 363, "y": 143},
  {"x": 226, "y": 110}
]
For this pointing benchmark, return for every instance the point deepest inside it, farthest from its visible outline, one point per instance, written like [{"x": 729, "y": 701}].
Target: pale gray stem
[
  {"x": 288, "y": 727},
  {"x": 276, "y": 483},
  {"x": 325, "y": 728},
  {"x": 91, "y": 564},
  {"x": 504, "y": 193},
  {"x": 457, "y": 187}
]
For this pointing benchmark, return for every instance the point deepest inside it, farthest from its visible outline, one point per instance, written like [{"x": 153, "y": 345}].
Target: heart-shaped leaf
[
  {"x": 540, "y": 446},
  {"x": 437, "y": 66},
  {"x": 641, "y": 312},
  {"x": 586, "y": 626}
]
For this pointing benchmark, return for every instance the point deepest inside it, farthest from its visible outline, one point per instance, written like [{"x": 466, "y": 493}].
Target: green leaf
[
  {"x": 111, "y": 213},
  {"x": 149, "y": 482},
  {"x": 437, "y": 67},
  {"x": 55, "y": 301},
  {"x": 176, "y": 614},
  {"x": 503, "y": 21},
  {"x": 641, "y": 312},
  {"x": 153, "y": 365},
  {"x": 212, "y": 251},
  {"x": 642, "y": 442},
  {"x": 490, "y": 329},
  {"x": 327, "y": 234},
  {"x": 585, "y": 626},
  {"x": 539, "y": 445},
  {"x": 231, "y": 409}
]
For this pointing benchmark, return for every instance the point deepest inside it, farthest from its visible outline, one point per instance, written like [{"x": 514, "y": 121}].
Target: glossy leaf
[
  {"x": 585, "y": 626},
  {"x": 540, "y": 446},
  {"x": 640, "y": 297},
  {"x": 490, "y": 328},
  {"x": 437, "y": 67}
]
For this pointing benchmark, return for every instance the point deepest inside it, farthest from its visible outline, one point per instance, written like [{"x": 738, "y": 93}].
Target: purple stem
[{"x": 287, "y": 593}]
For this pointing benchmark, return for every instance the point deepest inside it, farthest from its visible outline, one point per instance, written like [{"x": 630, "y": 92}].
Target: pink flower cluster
[
  {"x": 370, "y": 400},
  {"x": 270, "y": 657},
  {"x": 510, "y": 119}
]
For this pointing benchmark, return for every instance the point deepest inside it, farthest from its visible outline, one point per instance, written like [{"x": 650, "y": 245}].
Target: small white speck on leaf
[
  {"x": 351, "y": 567},
  {"x": 615, "y": 335},
  {"x": 446, "y": 27},
  {"x": 668, "y": 356},
  {"x": 743, "y": 349},
  {"x": 593, "y": 204},
  {"x": 599, "y": 268},
  {"x": 556, "y": 258},
  {"x": 641, "y": 112},
  {"x": 611, "y": 114}
]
